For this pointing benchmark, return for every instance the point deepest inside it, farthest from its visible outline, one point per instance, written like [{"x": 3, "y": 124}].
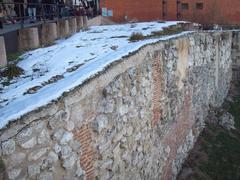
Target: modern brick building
[{"x": 202, "y": 11}]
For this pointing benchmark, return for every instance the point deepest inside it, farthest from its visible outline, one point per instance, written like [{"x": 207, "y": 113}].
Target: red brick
[
  {"x": 157, "y": 80},
  {"x": 84, "y": 136}
]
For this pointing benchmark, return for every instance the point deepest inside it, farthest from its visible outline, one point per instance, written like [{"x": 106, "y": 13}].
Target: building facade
[{"x": 202, "y": 11}]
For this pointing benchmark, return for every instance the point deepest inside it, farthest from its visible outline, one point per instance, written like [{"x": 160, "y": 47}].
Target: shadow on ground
[{"x": 216, "y": 155}]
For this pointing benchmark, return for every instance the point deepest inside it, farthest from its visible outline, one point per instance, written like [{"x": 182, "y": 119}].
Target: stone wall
[
  {"x": 136, "y": 120},
  {"x": 236, "y": 56}
]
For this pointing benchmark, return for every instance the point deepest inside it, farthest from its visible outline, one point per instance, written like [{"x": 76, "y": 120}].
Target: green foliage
[
  {"x": 136, "y": 36},
  {"x": 2, "y": 165},
  {"x": 14, "y": 56},
  {"x": 11, "y": 71},
  {"x": 235, "y": 111},
  {"x": 223, "y": 152},
  {"x": 216, "y": 156}
]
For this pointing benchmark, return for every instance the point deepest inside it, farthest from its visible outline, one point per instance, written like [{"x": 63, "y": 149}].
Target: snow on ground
[{"x": 51, "y": 71}]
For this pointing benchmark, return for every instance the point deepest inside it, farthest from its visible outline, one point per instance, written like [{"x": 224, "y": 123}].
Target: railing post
[
  {"x": 20, "y": 14},
  {"x": 43, "y": 13}
]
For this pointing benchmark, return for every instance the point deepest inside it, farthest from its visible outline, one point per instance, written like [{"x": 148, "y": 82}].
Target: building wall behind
[
  {"x": 213, "y": 12},
  {"x": 140, "y": 10}
]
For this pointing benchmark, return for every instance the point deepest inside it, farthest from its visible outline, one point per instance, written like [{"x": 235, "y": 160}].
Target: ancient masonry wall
[
  {"x": 236, "y": 56},
  {"x": 136, "y": 120}
]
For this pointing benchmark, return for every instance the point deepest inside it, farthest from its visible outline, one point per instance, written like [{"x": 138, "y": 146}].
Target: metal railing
[{"x": 40, "y": 12}]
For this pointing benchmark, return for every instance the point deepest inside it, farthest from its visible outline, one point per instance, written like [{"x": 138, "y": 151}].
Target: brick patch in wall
[
  {"x": 176, "y": 136},
  {"x": 84, "y": 136},
  {"x": 157, "y": 78}
]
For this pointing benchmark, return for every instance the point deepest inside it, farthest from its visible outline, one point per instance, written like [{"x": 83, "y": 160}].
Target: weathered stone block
[
  {"x": 30, "y": 143},
  {"x": 35, "y": 155},
  {"x": 101, "y": 123},
  {"x": 13, "y": 174},
  {"x": 48, "y": 33},
  {"x": 8, "y": 147},
  {"x": 28, "y": 38},
  {"x": 85, "y": 20},
  {"x": 3, "y": 56},
  {"x": 63, "y": 28},
  {"x": 67, "y": 136},
  {"x": 79, "y": 22},
  {"x": 33, "y": 170},
  {"x": 72, "y": 25},
  {"x": 45, "y": 176}
]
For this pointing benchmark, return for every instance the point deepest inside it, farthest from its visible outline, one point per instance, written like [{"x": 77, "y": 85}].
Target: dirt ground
[{"x": 216, "y": 155}]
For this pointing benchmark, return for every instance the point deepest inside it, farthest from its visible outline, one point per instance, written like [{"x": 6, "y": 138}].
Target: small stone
[
  {"x": 58, "y": 134},
  {"x": 57, "y": 148},
  {"x": 66, "y": 152},
  {"x": 76, "y": 146},
  {"x": 69, "y": 162},
  {"x": 43, "y": 137},
  {"x": 29, "y": 144},
  {"x": 11, "y": 132},
  {"x": 227, "y": 121},
  {"x": 33, "y": 170},
  {"x": 123, "y": 110},
  {"x": 16, "y": 159},
  {"x": 8, "y": 147},
  {"x": 58, "y": 120},
  {"x": 45, "y": 176},
  {"x": 38, "y": 126},
  {"x": 79, "y": 171},
  {"x": 133, "y": 91},
  {"x": 129, "y": 130},
  {"x": 109, "y": 107},
  {"x": 138, "y": 137},
  {"x": 49, "y": 161},
  {"x": 69, "y": 126},
  {"x": 13, "y": 174},
  {"x": 24, "y": 135},
  {"x": 53, "y": 156},
  {"x": 35, "y": 155},
  {"x": 101, "y": 122},
  {"x": 67, "y": 136},
  {"x": 107, "y": 164}
]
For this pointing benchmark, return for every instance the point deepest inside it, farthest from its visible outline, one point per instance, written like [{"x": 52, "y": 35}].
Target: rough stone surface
[
  {"x": 227, "y": 121},
  {"x": 8, "y": 147},
  {"x": 13, "y": 174},
  {"x": 45, "y": 176},
  {"x": 3, "y": 55},
  {"x": 28, "y": 38},
  {"x": 137, "y": 120},
  {"x": 35, "y": 155},
  {"x": 33, "y": 170}
]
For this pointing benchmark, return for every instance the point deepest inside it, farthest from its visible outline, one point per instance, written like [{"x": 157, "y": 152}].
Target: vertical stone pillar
[
  {"x": 3, "y": 57},
  {"x": 63, "y": 28},
  {"x": 72, "y": 25},
  {"x": 85, "y": 20},
  {"x": 79, "y": 22},
  {"x": 48, "y": 33},
  {"x": 28, "y": 38}
]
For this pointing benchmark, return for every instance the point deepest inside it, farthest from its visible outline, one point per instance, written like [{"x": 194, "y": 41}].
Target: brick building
[{"x": 202, "y": 11}]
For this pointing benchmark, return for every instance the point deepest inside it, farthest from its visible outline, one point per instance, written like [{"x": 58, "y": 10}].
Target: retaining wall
[{"x": 136, "y": 120}]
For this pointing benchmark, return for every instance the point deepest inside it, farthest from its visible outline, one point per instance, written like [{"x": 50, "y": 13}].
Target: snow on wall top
[{"x": 51, "y": 71}]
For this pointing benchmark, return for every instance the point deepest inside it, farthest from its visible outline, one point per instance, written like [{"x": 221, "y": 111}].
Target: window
[
  {"x": 184, "y": 6},
  {"x": 199, "y": 6}
]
